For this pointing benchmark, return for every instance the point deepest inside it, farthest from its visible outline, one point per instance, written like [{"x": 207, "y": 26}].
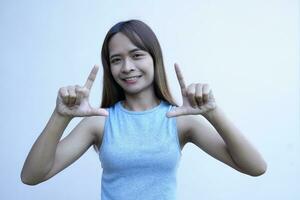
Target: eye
[
  {"x": 115, "y": 60},
  {"x": 137, "y": 55}
]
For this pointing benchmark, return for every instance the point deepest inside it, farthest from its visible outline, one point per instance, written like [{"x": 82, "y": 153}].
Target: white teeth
[{"x": 132, "y": 78}]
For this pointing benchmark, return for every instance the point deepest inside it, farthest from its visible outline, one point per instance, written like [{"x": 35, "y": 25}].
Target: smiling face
[{"x": 131, "y": 67}]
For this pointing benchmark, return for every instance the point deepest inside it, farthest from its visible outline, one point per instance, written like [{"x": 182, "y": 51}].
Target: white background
[{"x": 248, "y": 51}]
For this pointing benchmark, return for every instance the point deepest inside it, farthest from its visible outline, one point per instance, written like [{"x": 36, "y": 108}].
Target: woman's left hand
[{"x": 197, "y": 98}]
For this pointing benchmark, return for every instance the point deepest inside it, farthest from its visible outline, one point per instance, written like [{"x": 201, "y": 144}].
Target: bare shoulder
[{"x": 96, "y": 125}]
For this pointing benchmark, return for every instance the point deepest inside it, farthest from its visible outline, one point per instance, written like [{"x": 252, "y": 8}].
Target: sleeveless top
[{"x": 139, "y": 154}]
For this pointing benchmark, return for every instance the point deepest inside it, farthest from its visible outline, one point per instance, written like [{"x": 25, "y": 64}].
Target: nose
[{"x": 127, "y": 66}]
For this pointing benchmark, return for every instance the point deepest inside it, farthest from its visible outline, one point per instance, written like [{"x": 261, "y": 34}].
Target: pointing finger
[
  {"x": 180, "y": 79},
  {"x": 92, "y": 76}
]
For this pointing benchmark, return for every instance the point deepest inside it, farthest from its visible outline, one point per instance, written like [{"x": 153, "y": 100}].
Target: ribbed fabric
[{"x": 139, "y": 154}]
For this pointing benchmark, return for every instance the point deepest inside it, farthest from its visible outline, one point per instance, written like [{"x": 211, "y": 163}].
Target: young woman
[{"x": 139, "y": 131}]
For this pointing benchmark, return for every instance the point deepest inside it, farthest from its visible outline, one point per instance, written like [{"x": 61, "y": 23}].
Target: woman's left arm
[
  {"x": 223, "y": 141},
  {"x": 241, "y": 151}
]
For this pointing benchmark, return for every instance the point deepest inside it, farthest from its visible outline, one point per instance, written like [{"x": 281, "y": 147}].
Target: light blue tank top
[{"x": 139, "y": 154}]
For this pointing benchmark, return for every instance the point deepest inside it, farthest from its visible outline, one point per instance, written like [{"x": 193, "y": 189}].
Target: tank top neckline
[{"x": 120, "y": 105}]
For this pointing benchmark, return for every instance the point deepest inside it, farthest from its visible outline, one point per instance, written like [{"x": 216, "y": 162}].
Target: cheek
[
  {"x": 149, "y": 66},
  {"x": 114, "y": 73}
]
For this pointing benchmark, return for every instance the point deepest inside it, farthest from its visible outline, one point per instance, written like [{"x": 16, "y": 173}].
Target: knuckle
[
  {"x": 191, "y": 94},
  {"x": 61, "y": 89},
  {"x": 64, "y": 94}
]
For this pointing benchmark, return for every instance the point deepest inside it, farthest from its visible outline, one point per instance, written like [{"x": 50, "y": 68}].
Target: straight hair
[{"x": 144, "y": 38}]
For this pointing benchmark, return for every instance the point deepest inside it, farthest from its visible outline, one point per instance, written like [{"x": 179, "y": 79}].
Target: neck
[{"x": 140, "y": 102}]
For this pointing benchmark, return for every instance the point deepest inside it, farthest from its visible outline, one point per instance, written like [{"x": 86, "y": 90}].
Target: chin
[{"x": 134, "y": 91}]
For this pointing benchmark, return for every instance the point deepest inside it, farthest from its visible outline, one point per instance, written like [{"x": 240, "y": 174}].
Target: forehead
[{"x": 120, "y": 43}]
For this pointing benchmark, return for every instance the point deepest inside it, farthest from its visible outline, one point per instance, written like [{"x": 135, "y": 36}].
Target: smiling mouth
[{"x": 132, "y": 78}]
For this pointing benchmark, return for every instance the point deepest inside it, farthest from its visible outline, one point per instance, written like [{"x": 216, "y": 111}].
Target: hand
[
  {"x": 73, "y": 101},
  {"x": 197, "y": 98}
]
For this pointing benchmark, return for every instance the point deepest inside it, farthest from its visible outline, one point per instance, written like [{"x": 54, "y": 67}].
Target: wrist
[
  {"x": 212, "y": 113},
  {"x": 61, "y": 117}
]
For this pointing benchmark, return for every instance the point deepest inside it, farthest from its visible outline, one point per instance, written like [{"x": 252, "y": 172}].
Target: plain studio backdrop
[{"x": 248, "y": 51}]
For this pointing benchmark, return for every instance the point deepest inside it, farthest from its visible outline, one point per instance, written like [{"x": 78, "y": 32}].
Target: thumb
[
  {"x": 175, "y": 112},
  {"x": 171, "y": 114},
  {"x": 99, "y": 112}
]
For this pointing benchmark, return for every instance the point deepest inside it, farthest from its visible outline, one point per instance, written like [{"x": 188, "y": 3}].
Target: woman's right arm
[
  {"x": 49, "y": 155},
  {"x": 41, "y": 156}
]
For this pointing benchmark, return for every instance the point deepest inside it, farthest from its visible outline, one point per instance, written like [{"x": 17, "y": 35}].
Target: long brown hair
[{"x": 141, "y": 35}]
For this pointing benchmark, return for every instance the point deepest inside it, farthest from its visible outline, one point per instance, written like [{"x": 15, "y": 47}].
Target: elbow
[
  {"x": 29, "y": 181},
  {"x": 259, "y": 170},
  {"x": 257, "y": 173}
]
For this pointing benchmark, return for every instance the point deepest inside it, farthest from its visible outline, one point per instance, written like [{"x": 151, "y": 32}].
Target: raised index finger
[
  {"x": 92, "y": 76},
  {"x": 180, "y": 78}
]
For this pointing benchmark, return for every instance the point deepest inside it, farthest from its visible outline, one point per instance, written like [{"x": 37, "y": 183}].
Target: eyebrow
[{"x": 131, "y": 51}]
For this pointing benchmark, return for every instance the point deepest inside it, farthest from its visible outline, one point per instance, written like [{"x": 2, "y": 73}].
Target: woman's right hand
[{"x": 73, "y": 101}]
